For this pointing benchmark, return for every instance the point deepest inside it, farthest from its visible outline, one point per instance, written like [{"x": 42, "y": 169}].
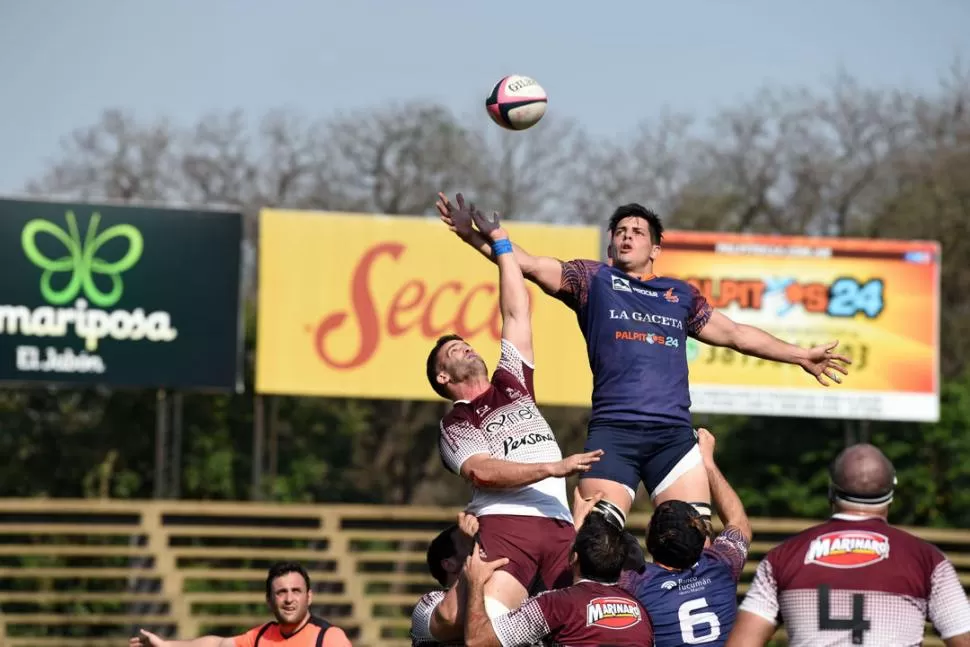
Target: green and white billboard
[{"x": 119, "y": 295}]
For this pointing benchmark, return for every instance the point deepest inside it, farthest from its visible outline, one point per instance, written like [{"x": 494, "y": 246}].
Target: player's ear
[
  {"x": 451, "y": 565},
  {"x": 443, "y": 378},
  {"x": 655, "y": 252}
]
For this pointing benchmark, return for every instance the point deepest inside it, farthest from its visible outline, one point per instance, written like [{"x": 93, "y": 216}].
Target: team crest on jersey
[
  {"x": 848, "y": 549},
  {"x": 513, "y": 394},
  {"x": 621, "y": 284},
  {"x": 612, "y": 613}
]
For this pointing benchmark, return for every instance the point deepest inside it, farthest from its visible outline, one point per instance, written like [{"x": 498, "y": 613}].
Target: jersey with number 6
[
  {"x": 858, "y": 581},
  {"x": 696, "y": 606}
]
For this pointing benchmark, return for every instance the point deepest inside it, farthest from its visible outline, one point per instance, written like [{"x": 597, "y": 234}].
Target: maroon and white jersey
[
  {"x": 505, "y": 423},
  {"x": 421, "y": 621},
  {"x": 858, "y": 581},
  {"x": 586, "y": 614}
]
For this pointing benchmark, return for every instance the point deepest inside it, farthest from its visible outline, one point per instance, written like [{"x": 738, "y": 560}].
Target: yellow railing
[{"x": 85, "y": 573}]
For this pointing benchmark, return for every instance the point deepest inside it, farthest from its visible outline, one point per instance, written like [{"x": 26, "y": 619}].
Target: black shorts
[{"x": 657, "y": 456}]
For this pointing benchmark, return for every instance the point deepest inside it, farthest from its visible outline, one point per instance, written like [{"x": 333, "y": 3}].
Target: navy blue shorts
[{"x": 635, "y": 453}]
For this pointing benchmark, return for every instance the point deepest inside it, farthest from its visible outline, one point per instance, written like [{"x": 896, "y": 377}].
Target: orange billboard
[
  {"x": 879, "y": 298},
  {"x": 350, "y": 305}
]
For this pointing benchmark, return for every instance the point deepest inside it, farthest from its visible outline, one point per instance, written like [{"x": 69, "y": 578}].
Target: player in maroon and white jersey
[
  {"x": 438, "y": 618},
  {"x": 855, "y": 580},
  {"x": 496, "y": 438},
  {"x": 593, "y": 612}
]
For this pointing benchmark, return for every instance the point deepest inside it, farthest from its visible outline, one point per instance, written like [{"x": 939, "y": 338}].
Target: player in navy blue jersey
[
  {"x": 690, "y": 590},
  {"x": 636, "y": 326}
]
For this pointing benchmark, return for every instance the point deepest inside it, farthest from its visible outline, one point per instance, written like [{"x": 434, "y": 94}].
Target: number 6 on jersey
[{"x": 704, "y": 623}]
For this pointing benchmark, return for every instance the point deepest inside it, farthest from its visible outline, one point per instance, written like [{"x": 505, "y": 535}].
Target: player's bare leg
[
  {"x": 503, "y": 593},
  {"x": 616, "y": 493},
  {"x": 691, "y": 486}
]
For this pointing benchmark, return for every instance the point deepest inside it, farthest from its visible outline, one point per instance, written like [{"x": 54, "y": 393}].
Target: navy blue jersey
[
  {"x": 696, "y": 606},
  {"x": 636, "y": 338}
]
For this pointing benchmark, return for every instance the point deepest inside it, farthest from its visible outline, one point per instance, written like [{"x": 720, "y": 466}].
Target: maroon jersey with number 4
[
  {"x": 586, "y": 614},
  {"x": 858, "y": 581}
]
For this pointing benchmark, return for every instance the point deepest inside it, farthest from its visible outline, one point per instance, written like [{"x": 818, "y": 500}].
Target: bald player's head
[{"x": 862, "y": 477}]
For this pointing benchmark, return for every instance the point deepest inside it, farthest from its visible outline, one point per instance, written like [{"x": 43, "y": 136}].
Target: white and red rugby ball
[{"x": 517, "y": 102}]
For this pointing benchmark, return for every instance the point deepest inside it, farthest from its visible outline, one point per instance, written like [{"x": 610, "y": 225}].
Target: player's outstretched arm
[
  {"x": 513, "y": 297},
  {"x": 544, "y": 271},
  {"x": 819, "y": 361},
  {"x": 486, "y": 472},
  {"x": 148, "y": 639}
]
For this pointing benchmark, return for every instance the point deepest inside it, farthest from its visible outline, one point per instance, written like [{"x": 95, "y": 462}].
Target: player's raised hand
[
  {"x": 458, "y": 220},
  {"x": 145, "y": 639},
  {"x": 477, "y": 570},
  {"x": 706, "y": 442},
  {"x": 489, "y": 226},
  {"x": 468, "y": 524},
  {"x": 825, "y": 364},
  {"x": 582, "y": 507},
  {"x": 577, "y": 463}
]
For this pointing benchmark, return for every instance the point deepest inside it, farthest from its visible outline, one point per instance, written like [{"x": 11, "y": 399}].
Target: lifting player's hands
[
  {"x": 706, "y": 442},
  {"x": 468, "y": 524},
  {"x": 477, "y": 570},
  {"x": 146, "y": 639},
  {"x": 822, "y": 362},
  {"x": 582, "y": 507},
  {"x": 576, "y": 464},
  {"x": 458, "y": 220}
]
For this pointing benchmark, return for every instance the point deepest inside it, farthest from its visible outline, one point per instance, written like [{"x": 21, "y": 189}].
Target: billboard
[
  {"x": 350, "y": 305},
  {"x": 879, "y": 298},
  {"x": 118, "y": 295}
]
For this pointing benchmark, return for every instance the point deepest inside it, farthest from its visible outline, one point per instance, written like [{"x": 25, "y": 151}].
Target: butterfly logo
[{"x": 81, "y": 259}]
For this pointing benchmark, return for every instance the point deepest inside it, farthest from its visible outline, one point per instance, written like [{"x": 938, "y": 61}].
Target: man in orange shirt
[{"x": 289, "y": 598}]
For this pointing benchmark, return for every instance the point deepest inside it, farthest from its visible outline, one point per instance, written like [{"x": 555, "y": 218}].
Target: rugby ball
[{"x": 516, "y": 102}]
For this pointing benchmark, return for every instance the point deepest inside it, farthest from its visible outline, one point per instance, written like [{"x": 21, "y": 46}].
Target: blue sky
[{"x": 62, "y": 63}]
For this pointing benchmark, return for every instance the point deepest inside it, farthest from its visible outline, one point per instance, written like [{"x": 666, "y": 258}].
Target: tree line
[{"x": 848, "y": 160}]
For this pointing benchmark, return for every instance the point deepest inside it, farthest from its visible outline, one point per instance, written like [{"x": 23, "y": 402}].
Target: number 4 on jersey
[
  {"x": 691, "y": 622},
  {"x": 857, "y": 624}
]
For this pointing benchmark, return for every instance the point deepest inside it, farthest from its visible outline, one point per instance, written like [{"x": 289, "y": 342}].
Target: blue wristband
[{"x": 501, "y": 246}]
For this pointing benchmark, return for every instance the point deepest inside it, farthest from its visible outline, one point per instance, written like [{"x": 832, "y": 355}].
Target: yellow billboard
[{"x": 351, "y": 304}]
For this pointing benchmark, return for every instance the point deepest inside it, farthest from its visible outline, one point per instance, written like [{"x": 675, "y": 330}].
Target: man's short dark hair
[
  {"x": 279, "y": 569},
  {"x": 600, "y": 550},
  {"x": 635, "y": 559},
  {"x": 677, "y": 534},
  {"x": 442, "y": 547},
  {"x": 634, "y": 210},
  {"x": 432, "y": 366}
]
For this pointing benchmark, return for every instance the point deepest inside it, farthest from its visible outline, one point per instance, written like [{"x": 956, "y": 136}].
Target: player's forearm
[
  {"x": 726, "y": 500},
  {"x": 448, "y": 619},
  {"x": 528, "y": 264},
  {"x": 478, "y": 627},
  {"x": 758, "y": 343},
  {"x": 496, "y": 474},
  {"x": 513, "y": 296}
]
